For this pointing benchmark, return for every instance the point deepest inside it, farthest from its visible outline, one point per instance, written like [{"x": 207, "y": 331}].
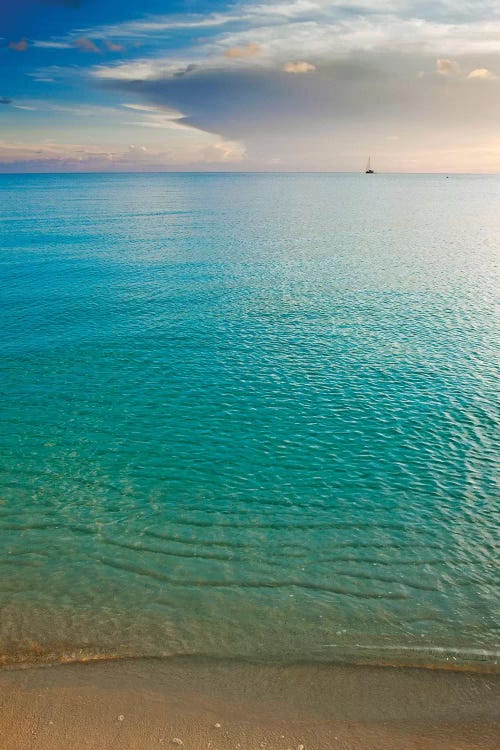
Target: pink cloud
[
  {"x": 249, "y": 51},
  {"x": 299, "y": 67},
  {"x": 86, "y": 45},
  {"x": 113, "y": 47},
  {"x": 20, "y": 46},
  {"x": 447, "y": 67}
]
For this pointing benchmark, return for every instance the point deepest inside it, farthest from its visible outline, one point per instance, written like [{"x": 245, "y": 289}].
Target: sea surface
[{"x": 250, "y": 416}]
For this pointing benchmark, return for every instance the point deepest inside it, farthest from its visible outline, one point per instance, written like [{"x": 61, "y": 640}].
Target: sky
[{"x": 250, "y": 85}]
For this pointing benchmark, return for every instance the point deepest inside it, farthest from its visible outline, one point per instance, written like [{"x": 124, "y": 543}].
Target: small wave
[
  {"x": 468, "y": 660},
  {"x": 492, "y": 655},
  {"x": 155, "y": 550},
  {"x": 251, "y": 584}
]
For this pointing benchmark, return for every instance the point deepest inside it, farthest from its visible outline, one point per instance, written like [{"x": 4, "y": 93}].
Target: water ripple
[{"x": 248, "y": 416}]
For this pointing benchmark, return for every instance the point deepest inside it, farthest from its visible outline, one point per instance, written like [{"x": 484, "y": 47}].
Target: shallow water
[
  {"x": 207, "y": 703},
  {"x": 249, "y": 416}
]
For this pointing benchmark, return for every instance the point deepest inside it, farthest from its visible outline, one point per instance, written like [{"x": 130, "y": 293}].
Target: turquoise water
[{"x": 249, "y": 416}]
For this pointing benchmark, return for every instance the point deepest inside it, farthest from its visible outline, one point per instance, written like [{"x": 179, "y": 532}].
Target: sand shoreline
[{"x": 146, "y": 704}]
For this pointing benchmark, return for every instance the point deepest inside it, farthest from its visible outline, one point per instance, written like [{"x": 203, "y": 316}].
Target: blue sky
[{"x": 114, "y": 85}]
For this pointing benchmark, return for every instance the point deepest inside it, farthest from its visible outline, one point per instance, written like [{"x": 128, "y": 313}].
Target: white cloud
[
  {"x": 141, "y": 107},
  {"x": 321, "y": 41},
  {"x": 171, "y": 114},
  {"x": 52, "y": 45},
  {"x": 225, "y": 151},
  {"x": 367, "y": 54},
  {"x": 157, "y": 25},
  {"x": 254, "y": 14},
  {"x": 54, "y": 73},
  {"x": 76, "y": 110},
  {"x": 317, "y": 30},
  {"x": 160, "y": 122},
  {"x": 139, "y": 70},
  {"x": 288, "y": 10},
  {"x": 159, "y": 117}
]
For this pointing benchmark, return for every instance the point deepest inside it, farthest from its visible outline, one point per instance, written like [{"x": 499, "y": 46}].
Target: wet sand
[{"x": 210, "y": 705}]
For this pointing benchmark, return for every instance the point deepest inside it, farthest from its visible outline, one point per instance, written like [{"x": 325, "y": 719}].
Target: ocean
[{"x": 250, "y": 416}]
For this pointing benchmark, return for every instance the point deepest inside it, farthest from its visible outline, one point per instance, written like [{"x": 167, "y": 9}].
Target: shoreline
[
  {"x": 35, "y": 655},
  {"x": 49, "y": 661},
  {"x": 149, "y": 703}
]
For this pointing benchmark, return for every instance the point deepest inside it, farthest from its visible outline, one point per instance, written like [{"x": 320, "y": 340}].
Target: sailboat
[{"x": 368, "y": 169}]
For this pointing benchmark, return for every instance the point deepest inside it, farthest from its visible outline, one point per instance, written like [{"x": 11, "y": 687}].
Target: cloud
[
  {"x": 185, "y": 71},
  {"x": 298, "y": 67},
  {"x": 20, "y": 46},
  {"x": 449, "y": 15},
  {"x": 446, "y": 27},
  {"x": 138, "y": 70},
  {"x": 327, "y": 119},
  {"x": 104, "y": 113},
  {"x": 162, "y": 117},
  {"x": 5, "y": 100},
  {"x": 250, "y": 50},
  {"x": 52, "y": 45},
  {"x": 11, "y": 152},
  {"x": 447, "y": 67},
  {"x": 326, "y": 35},
  {"x": 141, "y": 107},
  {"x": 156, "y": 25},
  {"x": 48, "y": 156},
  {"x": 483, "y": 74},
  {"x": 86, "y": 45},
  {"x": 169, "y": 119},
  {"x": 52, "y": 73},
  {"x": 356, "y": 48},
  {"x": 366, "y": 55},
  {"x": 113, "y": 47},
  {"x": 225, "y": 151}
]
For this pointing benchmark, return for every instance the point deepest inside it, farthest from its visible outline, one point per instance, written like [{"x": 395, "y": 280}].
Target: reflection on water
[{"x": 249, "y": 415}]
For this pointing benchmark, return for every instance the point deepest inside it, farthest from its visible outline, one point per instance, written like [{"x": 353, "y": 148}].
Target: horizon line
[{"x": 240, "y": 171}]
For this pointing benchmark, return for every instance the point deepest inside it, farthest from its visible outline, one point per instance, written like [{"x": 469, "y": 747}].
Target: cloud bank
[{"x": 309, "y": 84}]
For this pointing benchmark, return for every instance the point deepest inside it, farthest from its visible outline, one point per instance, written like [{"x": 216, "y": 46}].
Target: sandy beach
[{"x": 146, "y": 704}]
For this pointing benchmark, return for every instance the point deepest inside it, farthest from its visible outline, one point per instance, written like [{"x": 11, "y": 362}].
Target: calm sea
[{"x": 249, "y": 416}]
